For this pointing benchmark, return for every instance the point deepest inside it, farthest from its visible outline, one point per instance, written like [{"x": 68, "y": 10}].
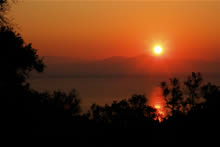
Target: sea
[{"x": 103, "y": 90}]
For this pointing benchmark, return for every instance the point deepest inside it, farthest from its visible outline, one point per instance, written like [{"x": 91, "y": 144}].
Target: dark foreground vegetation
[
  {"x": 192, "y": 116},
  {"x": 191, "y": 106}
]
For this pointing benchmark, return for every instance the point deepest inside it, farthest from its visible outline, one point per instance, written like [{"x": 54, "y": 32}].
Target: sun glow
[
  {"x": 159, "y": 109},
  {"x": 158, "y": 50},
  {"x": 160, "y": 115}
]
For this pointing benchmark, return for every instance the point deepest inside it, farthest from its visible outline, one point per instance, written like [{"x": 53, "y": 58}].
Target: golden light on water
[{"x": 157, "y": 106}]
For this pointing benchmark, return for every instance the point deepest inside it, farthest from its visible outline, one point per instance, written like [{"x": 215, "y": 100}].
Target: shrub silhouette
[
  {"x": 56, "y": 111},
  {"x": 125, "y": 113}
]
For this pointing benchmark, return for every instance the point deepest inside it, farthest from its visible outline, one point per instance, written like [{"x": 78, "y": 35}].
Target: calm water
[{"x": 102, "y": 90}]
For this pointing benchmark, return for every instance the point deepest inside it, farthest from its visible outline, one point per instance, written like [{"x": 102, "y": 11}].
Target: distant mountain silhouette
[{"x": 124, "y": 66}]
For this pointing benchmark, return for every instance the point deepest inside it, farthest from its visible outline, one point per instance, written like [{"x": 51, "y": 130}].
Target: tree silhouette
[
  {"x": 17, "y": 59},
  {"x": 4, "y": 7},
  {"x": 125, "y": 113},
  {"x": 193, "y": 86},
  {"x": 200, "y": 103},
  {"x": 183, "y": 99},
  {"x": 137, "y": 101},
  {"x": 2, "y": 11},
  {"x": 68, "y": 102},
  {"x": 211, "y": 94},
  {"x": 173, "y": 95}
]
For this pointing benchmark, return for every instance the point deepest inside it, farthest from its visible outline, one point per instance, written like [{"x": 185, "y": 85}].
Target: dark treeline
[
  {"x": 191, "y": 107},
  {"x": 192, "y": 115}
]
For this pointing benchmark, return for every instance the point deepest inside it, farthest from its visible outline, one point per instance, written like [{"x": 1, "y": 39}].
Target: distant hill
[{"x": 125, "y": 66}]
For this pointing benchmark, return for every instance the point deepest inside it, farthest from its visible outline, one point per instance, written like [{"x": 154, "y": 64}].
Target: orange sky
[{"x": 100, "y": 29}]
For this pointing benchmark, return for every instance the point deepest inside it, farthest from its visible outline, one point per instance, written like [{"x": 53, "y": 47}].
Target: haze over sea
[{"x": 94, "y": 85}]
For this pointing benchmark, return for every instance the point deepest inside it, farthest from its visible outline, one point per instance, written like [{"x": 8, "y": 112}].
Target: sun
[{"x": 158, "y": 50}]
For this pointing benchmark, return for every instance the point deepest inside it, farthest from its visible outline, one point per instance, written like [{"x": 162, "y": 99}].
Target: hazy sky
[{"x": 89, "y": 29}]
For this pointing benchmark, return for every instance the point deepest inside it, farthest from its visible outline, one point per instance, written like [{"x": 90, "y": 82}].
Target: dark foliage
[
  {"x": 54, "y": 113},
  {"x": 17, "y": 60},
  {"x": 4, "y": 7},
  {"x": 132, "y": 120},
  {"x": 196, "y": 119},
  {"x": 125, "y": 113}
]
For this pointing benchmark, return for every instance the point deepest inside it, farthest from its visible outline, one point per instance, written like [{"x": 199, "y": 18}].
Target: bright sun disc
[{"x": 158, "y": 49}]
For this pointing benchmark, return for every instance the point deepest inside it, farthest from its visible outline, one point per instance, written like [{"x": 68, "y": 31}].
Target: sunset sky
[{"x": 90, "y": 30}]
